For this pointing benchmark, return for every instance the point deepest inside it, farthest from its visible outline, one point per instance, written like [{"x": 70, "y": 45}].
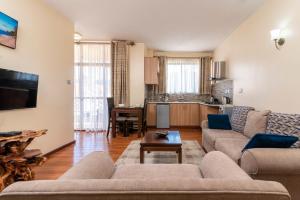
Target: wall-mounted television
[{"x": 17, "y": 90}]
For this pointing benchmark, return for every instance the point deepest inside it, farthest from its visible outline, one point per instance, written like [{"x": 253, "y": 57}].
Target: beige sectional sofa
[
  {"x": 282, "y": 165},
  {"x": 95, "y": 178}
]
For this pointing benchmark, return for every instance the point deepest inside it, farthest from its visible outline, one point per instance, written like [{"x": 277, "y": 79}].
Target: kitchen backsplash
[
  {"x": 223, "y": 88},
  {"x": 219, "y": 89}
]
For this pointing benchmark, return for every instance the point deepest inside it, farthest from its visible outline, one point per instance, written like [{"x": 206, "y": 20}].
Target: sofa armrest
[
  {"x": 271, "y": 161},
  {"x": 204, "y": 124},
  {"x": 96, "y": 165},
  {"x": 217, "y": 165}
]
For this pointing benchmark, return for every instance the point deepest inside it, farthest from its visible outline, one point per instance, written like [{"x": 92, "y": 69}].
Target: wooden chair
[
  {"x": 120, "y": 121},
  {"x": 144, "y": 127}
]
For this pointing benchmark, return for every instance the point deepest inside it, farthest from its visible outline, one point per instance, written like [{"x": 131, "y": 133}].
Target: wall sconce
[{"x": 276, "y": 36}]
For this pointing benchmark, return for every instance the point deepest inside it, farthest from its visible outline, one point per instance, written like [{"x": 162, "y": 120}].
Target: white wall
[
  {"x": 269, "y": 78},
  {"x": 44, "y": 47},
  {"x": 136, "y": 71}
]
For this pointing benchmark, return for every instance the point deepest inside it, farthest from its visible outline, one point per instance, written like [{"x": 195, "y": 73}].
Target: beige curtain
[
  {"x": 205, "y": 72},
  {"x": 120, "y": 72},
  {"x": 162, "y": 74}
]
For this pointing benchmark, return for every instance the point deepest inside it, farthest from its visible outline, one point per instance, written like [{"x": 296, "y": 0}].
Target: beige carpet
[{"x": 192, "y": 153}]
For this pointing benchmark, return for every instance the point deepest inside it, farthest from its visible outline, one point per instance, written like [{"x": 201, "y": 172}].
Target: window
[
  {"x": 183, "y": 75},
  {"x": 92, "y": 82}
]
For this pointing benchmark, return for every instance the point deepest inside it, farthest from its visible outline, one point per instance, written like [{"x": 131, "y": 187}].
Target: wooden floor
[{"x": 62, "y": 160}]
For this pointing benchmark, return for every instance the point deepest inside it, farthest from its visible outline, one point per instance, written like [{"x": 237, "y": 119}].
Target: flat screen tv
[{"x": 17, "y": 90}]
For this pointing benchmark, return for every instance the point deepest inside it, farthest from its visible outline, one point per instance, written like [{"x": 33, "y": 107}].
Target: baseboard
[{"x": 60, "y": 148}]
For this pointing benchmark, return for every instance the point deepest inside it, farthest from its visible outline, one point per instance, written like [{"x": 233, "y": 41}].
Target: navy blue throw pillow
[
  {"x": 261, "y": 140},
  {"x": 218, "y": 121}
]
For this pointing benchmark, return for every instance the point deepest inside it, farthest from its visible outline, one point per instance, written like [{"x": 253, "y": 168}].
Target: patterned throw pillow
[
  {"x": 239, "y": 117},
  {"x": 284, "y": 124}
]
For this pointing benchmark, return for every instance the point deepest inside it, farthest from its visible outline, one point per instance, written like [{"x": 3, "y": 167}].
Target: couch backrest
[
  {"x": 143, "y": 189},
  {"x": 284, "y": 124},
  {"x": 256, "y": 122}
]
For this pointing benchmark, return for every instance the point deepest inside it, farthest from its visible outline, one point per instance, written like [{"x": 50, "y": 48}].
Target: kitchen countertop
[{"x": 187, "y": 102}]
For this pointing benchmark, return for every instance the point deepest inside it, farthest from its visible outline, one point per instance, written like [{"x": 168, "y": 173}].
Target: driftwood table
[{"x": 15, "y": 160}]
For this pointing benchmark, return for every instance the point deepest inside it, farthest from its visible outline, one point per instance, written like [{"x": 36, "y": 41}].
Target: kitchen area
[{"x": 165, "y": 110}]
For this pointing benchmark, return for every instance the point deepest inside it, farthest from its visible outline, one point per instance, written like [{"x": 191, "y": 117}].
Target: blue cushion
[
  {"x": 218, "y": 121},
  {"x": 271, "y": 141}
]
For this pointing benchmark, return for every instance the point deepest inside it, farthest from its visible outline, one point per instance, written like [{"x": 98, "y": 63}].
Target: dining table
[{"x": 136, "y": 111}]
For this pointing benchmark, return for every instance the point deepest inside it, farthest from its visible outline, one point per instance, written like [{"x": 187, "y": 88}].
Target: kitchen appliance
[
  {"x": 225, "y": 100},
  {"x": 162, "y": 115},
  {"x": 218, "y": 70},
  {"x": 226, "y": 109}
]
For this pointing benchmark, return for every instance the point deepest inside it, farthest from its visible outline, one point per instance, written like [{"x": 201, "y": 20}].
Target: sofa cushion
[
  {"x": 96, "y": 165},
  {"x": 218, "y": 121},
  {"x": 284, "y": 124},
  {"x": 232, "y": 147},
  {"x": 211, "y": 135},
  {"x": 210, "y": 167},
  {"x": 152, "y": 171},
  {"x": 239, "y": 117},
  {"x": 256, "y": 122},
  {"x": 271, "y": 141}
]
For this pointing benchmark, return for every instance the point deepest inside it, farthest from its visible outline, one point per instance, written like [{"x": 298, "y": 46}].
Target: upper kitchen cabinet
[{"x": 151, "y": 70}]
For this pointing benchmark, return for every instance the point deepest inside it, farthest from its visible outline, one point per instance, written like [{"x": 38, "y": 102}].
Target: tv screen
[{"x": 17, "y": 90}]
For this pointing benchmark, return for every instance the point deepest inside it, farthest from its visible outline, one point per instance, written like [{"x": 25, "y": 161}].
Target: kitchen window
[{"x": 182, "y": 75}]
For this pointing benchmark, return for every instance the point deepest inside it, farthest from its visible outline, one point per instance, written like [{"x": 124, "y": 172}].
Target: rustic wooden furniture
[
  {"x": 151, "y": 142},
  {"x": 15, "y": 160},
  {"x": 151, "y": 67},
  {"x": 137, "y": 111}
]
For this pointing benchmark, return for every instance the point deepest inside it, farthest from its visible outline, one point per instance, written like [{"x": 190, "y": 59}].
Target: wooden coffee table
[{"x": 151, "y": 142}]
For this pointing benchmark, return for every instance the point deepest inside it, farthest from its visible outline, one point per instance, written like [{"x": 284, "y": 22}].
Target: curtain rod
[{"x": 93, "y": 42}]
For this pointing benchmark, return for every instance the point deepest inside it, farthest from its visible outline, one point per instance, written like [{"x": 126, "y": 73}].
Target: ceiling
[{"x": 166, "y": 25}]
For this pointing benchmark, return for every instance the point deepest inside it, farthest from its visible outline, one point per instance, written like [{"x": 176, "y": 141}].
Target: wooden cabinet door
[
  {"x": 174, "y": 114},
  {"x": 151, "y": 66},
  {"x": 151, "y": 114},
  {"x": 184, "y": 114},
  {"x": 194, "y": 114},
  {"x": 205, "y": 110}
]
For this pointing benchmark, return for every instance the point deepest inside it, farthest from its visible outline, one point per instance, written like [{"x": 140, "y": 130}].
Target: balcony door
[{"x": 92, "y": 85}]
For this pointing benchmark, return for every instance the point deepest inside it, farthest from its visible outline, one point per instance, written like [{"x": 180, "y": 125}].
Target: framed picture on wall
[{"x": 8, "y": 31}]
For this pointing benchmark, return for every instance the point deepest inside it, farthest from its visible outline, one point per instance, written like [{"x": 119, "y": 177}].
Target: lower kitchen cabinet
[
  {"x": 205, "y": 110},
  {"x": 151, "y": 114},
  {"x": 184, "y": 114}
]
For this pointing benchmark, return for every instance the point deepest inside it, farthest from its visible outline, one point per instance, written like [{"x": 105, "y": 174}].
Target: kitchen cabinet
[
  {"x": 184, "y": 114},
  {"x": 151, "y": 67},
  {"x": 151, "y": 114},
  {"x": 205, "y": 110}
]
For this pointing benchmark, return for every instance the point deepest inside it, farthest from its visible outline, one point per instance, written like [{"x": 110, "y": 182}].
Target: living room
[{"x": 142, "y": 99}]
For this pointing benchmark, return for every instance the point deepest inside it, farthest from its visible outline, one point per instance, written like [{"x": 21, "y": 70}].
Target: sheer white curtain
[
  {"x": 92, "y": 86},
  {"x": 183, "y": 75}
]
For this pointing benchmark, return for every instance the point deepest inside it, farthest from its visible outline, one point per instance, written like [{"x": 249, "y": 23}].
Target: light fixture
[
  {"x": 276, "y": 36},
  {"x": 77, "y": 37}
]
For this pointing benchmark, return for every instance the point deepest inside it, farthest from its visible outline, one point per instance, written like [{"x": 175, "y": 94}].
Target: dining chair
[{"x": 120, "y": 121}]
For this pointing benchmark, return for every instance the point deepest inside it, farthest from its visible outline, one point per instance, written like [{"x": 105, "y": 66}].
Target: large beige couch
[
  {"x": 96, "y": 178},
  {"x": 282, "y": 165}
]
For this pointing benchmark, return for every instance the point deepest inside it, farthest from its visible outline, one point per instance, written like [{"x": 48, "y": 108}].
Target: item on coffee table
[{"x": 162, "y": 134}]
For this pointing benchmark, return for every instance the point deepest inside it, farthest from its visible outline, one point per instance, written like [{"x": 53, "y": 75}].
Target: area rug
[{"x": 192, "y": 153}]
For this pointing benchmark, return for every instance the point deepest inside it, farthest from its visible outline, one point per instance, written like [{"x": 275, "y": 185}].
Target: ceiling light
[{"x": 77, "y": 37}]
